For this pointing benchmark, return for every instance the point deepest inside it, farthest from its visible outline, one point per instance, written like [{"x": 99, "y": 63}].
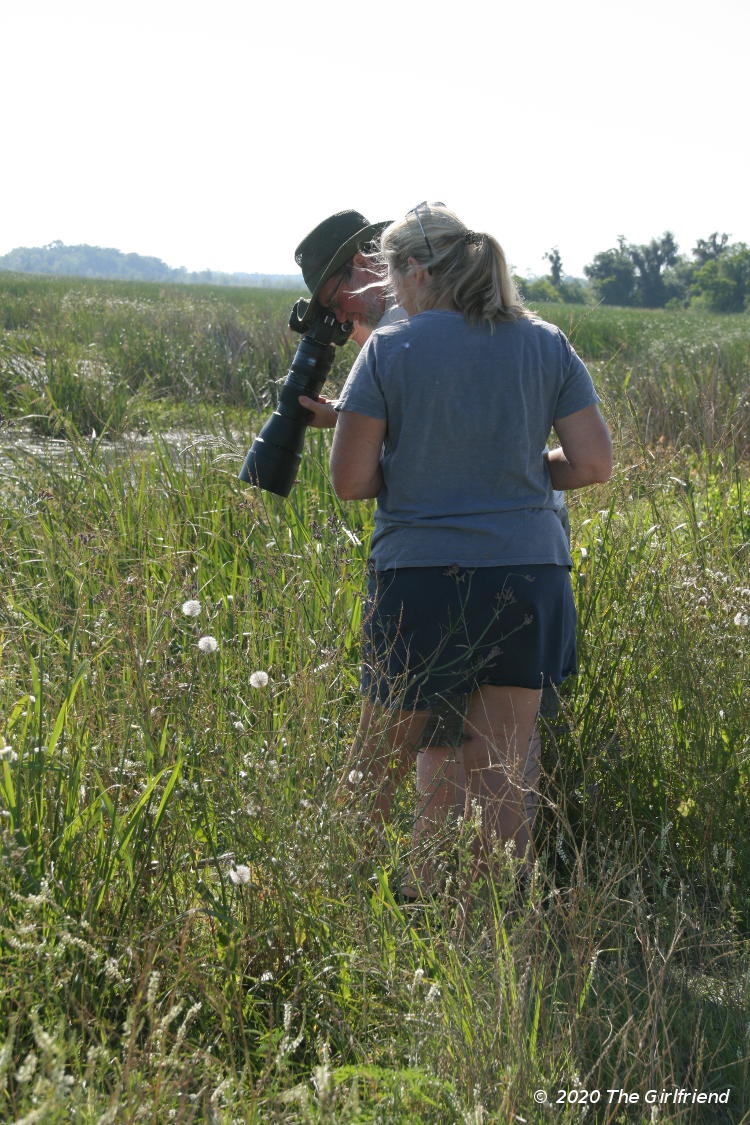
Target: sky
[{"x": 216, "y": 135}]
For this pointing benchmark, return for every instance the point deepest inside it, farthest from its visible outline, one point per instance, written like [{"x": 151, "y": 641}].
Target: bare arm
[
  {"x": 355, "y": 456},
  {"x": 584, "y": 455}
]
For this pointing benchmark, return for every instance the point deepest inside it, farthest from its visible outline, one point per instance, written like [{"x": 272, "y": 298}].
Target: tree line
[
  {"x": 715, "y": 275},
  {"x": 654, "y": 275},
  {"x": 60, "y": 260}
]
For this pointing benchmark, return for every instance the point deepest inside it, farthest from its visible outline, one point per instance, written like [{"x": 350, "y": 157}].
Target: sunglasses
[
  {"x": 331, "y": 299},
  {"x": 424, "y": 206}
]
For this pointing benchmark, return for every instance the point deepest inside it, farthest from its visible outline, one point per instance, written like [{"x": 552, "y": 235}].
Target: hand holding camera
[{"x": 324, "y": 416}]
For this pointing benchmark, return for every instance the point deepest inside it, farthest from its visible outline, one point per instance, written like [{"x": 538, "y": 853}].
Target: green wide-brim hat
[{"x": 332, "y": 244}]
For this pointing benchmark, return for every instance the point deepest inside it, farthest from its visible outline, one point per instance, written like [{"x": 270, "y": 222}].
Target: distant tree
[
  {"x": 573, "y": 291},
  {"x": 681, "y": 279},
  {"x": 722, "y": 283},
  {"x": 708, "y": 249},
  {"x": 638, "y": 275},
  {"x": 650, "y": 260},
  {"x": 717, "y": 276},
  {"x": 555, "y": 261},
  {"x": 612, "y": 274},
  {"x": 540, "y": 289}
]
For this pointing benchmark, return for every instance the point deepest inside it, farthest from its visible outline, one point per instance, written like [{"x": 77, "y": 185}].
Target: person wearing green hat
[{"x": 334, "y": 264}]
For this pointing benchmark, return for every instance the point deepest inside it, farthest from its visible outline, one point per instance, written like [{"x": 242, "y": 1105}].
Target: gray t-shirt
[{"x": 468, "y": 413}]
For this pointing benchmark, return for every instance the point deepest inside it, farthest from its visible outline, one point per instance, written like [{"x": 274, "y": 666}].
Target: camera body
[{"x": 274, "y": 456}]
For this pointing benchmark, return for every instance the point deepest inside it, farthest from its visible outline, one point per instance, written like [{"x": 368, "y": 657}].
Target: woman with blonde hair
[{"x": 445, "y": 419}]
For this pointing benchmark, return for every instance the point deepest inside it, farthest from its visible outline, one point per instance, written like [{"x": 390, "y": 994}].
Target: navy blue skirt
[{"x": 433, "y": 633}]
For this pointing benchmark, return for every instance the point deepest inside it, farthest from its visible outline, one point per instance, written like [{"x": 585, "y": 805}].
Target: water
[{"x": 19, "y": 445}]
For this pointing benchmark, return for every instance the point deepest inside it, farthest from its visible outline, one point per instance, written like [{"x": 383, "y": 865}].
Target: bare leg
[
  {"x": 383, "y": 753},
  {"x": 441, "y": 793},
  {"x": 440, "y": 784},
  {"x": 490, "y": 768},
  {"x": 499, "y": 726},
  {"x": 440, "y": 796}
]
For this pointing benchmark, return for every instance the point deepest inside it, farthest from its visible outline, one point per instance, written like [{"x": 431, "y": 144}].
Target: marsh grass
[
  {"x": 192, "y": 930},
  {"x": 100, "y": 352}
]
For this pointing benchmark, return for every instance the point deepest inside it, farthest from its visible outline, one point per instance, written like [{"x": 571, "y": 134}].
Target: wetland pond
[{"x": 18, "y": 445}]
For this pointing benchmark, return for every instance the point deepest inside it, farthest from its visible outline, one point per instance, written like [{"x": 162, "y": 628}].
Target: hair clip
[{"x": 473, "y": 239}]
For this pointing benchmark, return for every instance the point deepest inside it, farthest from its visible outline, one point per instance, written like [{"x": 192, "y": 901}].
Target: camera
[{"x": 274, "y": 456}]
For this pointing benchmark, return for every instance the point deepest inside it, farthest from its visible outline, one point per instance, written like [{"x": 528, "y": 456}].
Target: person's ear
[{"x": 363, "y": 262}]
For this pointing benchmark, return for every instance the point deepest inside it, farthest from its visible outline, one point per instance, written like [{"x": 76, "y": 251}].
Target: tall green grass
[
  {"x": 100, "y": 352},
  {"x": 192, "y": 930},
  {"x": 105, "y": 356}
]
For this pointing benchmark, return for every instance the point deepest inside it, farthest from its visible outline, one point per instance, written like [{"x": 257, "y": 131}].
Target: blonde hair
[{"x": 468, "y": 270}]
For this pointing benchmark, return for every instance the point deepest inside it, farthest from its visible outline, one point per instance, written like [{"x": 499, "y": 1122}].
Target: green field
[{"x": 138, "y": 982}]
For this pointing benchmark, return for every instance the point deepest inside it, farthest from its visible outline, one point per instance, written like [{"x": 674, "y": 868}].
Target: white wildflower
[
  {"x": 239, "y": 727},
  {"x": 240, "y": 875},
  {"x": 208, "y": 644},
  {"x": 321, "y": 1075},
  {"x": 259, "y": 679},
  {"x": 742, "y": 620},
  {"x": 112, "y": 970},
  {"x": 266, "y": 977},
  {"x": 355, "y": 776},
  {"x": 7, "y": 751},
  {"x": 26, "y": 1070},
  {"x": 152, "y": 991},
  {"x": 191, "y": 608}
]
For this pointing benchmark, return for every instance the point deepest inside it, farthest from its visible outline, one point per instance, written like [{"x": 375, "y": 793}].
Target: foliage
[
  {"x": 722, "y": 283},
  {"x": 539, "y": 290},
  {"x": 654, "y": 275},
  {"x": 650, "y": 261},
  {"x": 555, "y": 266},
  {"x": 612, "y": 273},
  {"x": 570, "y": 291},
  {"x": 708, "y": 249},
  {"x": 635, "y": 275}
]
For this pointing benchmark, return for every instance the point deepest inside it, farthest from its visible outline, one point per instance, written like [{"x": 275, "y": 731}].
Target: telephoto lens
[{"x": 275, "y": 455}]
